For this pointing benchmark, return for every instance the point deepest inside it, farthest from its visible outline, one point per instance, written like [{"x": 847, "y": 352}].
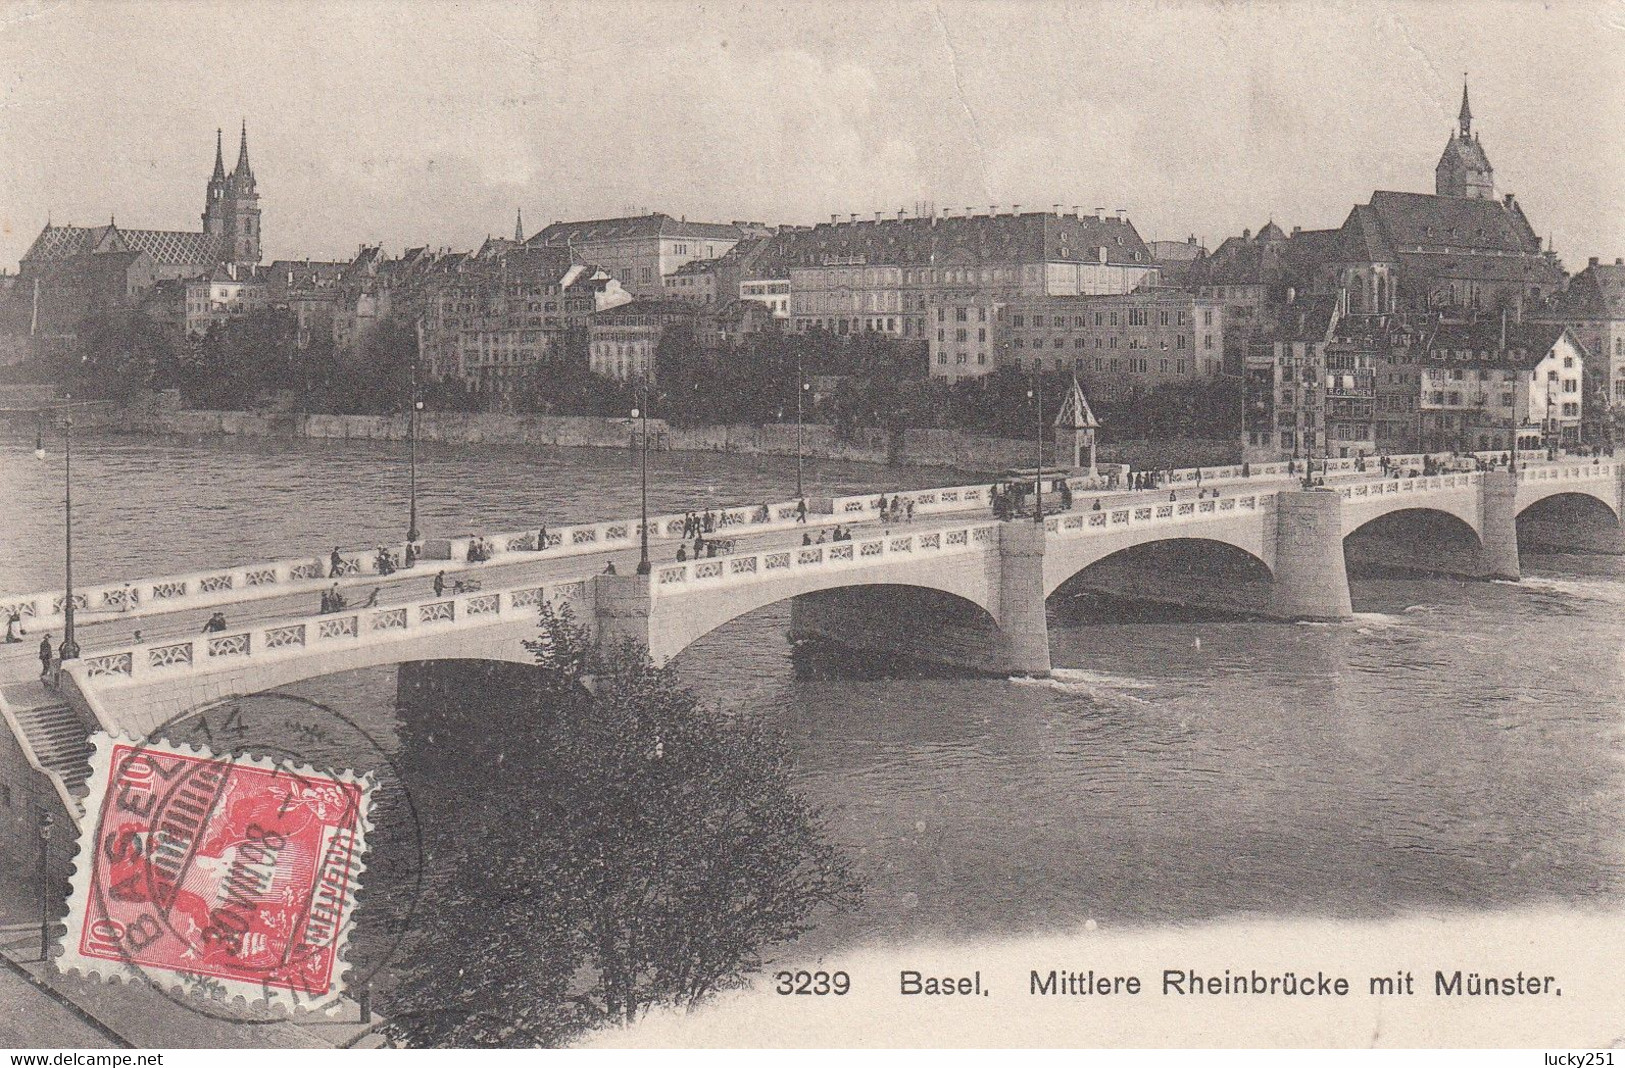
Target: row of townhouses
[{"x": 969, "y": 292}]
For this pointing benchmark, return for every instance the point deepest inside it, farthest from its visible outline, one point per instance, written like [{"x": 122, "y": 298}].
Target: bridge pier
[
  {"x": 1498, "y": 526},
  {"x": 1311, "y": 580},
  {"x": 621, "y": 606},
  {"x": 1023, "y": 625}
]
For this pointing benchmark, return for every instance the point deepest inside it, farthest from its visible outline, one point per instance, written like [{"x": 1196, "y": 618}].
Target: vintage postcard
[{"x": 1063, "y": 524}]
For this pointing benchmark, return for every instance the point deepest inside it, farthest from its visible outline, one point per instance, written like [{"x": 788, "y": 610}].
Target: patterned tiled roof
[
  {"x": 658, "y": 224},
  {"x": 166, "y": 247}
]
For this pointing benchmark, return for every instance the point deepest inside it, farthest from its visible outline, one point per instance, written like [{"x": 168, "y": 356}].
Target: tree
[{"x": 660, "y": 849}]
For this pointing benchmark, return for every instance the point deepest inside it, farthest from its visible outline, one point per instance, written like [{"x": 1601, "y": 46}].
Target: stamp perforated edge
[{"x": 69, "y": 960}]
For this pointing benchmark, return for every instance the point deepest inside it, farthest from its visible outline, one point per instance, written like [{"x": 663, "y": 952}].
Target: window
[
  {"x": 981, "y": 315},
  {"x": 1019, "y": 344},
  {"x": 1162, "y": 319},
  {"x": 1017, "y": 320},
  {"x": 1162, "y": 365},
  {"x": 942, "y": 335},
  {"x": 942, "y": 357},
  {"x": 1179, "y": 341},
  {"x": 1038, "y": 320},
  {"x": 1136, "y": 317},
  {"x": 1179, "y": 367},
  {"x": 1114, "y": 318},
  {"x": 1570, "y": 408},
  {"x": 1207, "y": 341},
  {"x": 942, "y": 311},
  {"x": 1568, "y": 362},
  {"x": 961, "y": 315},
  {"x": 981, "y": 333},
  {"x": 959, "y": 336},
  {"x": 1100, "y": 365},
  {"x": 1571, "y": 385}
]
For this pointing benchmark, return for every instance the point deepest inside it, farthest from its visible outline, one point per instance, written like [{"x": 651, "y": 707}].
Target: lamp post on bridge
[
  {"x": 801, "y": 389},
  {"x": 1037, "y": 396},
  {"x": 414, "y": 406},
  {"x": 642, "y": 415},
  {"x": 69, "y": 649},
  {"x": 45, "y": 823}
]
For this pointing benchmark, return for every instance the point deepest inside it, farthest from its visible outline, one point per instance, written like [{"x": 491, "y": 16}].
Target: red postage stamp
[{"x": 225, "y": 876}]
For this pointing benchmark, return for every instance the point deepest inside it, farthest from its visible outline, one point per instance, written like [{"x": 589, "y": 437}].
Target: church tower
[
  {"x": 1464, "y": 170},
  {"x": 214, "y": 203},
  {"x": 232, "y": 209}
]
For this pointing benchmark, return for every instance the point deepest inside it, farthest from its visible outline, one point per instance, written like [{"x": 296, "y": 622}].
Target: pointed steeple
[
  {"x": 242, "y": 167},
  {"x": 219, "y": 158},
  {"x": 518, "y": 226},
  {"x": 1466, "y": 117}
]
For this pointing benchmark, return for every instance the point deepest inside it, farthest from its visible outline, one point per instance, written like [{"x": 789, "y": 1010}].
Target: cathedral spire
[
  {"x": 219, "y": 159},
  {"x": 518, "y": 226},
  {"x": 1466, "y": 116},
  {"x": 242, "y": 154}
]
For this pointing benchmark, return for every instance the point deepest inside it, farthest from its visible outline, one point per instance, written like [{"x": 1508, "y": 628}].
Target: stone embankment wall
[{"x": 922, "y": 448}]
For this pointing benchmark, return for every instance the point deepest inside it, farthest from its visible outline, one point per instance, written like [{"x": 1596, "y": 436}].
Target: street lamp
[
  {"x": 642, "y": 414},
  {"x": 1037, "y": 396},
  {"x": 69, "y": 649},
  {"x": 801, "y": 389},
  {"x": 44, "y": 886}
]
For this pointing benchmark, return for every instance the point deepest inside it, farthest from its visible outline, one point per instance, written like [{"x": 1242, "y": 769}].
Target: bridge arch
[
  {"x": 1418, "y": 538},
  {"x": 140, "y": 707},
  {"x": 1570, "y": 520},
  {"x": 1067, "y": 559},
  {"x": 675, "y": 623},
  {"x": 1196, "y": 572},
  {"x": 1531, "y": 494}
]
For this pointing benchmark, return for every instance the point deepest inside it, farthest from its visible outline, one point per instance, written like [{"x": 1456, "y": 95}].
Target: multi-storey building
[
  {"x": 308, "y": 290},
  {"x": 1593, "y": 308},
  {"x": 695, "y": 282},
  {"x": 639, "y": 252},
  {"x": 1487, "y": 384},
  {"x": 882, "y": 275},
  {"x": 492, "y": 319},
  {"x": 1116, "y": 344},
  {"x": 624, "y": 339}
]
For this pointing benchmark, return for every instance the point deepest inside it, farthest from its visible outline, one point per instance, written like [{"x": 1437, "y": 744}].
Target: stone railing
[
  {"x": 938, "y": 501},
  {"x": 1606, "y": 469},
  {"x": 1420, "y": 484},
  {"x": 231, "y": 650},
  {"x": 1127, "y": 517},
  {"x": 698, "y": 576},
  {"x": 197, "y": 589}
]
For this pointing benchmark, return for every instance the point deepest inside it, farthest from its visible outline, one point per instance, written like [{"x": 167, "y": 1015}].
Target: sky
[{"x": 412, "y": 123}]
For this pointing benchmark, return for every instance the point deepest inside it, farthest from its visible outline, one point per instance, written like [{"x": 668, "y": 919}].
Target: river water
[{"x": 1455, "y": 749}]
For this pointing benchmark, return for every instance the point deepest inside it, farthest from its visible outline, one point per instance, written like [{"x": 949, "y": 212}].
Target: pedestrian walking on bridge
[
  {"x": 337, "y": 562},
  {"x": 45, "y": 656}
]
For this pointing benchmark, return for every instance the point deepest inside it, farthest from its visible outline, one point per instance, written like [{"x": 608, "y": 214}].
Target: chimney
[
  {"x": 1509, "y": 201},
  {"x": 1015, "y": 209},
  {"x": 833, "y": 219},
  {"x": 852, "y": 217},
  {"x": 1057, "y": 208},
  {"x": 877, "y": 216},
  {"x": 1075, "y": 214},
  {"x": 899, "y": 214},
  {"x": 1296, "y": 230},
  {"x": 992, "y": 210},
  {"x": 1593, "y": 262}
]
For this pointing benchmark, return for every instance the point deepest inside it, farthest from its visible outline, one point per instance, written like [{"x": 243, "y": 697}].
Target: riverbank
[{"x": 909, "y": 448}]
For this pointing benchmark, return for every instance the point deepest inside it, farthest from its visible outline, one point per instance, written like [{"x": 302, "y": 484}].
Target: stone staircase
[{"x": 59, "y": 740}]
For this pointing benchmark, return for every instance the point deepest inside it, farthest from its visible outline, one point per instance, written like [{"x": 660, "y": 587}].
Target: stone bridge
[
  {"x": 955, "y": 587},
  {"x": 969, "y": 591}
]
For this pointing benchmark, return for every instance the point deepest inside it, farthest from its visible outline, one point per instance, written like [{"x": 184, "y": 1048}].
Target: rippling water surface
[{"x": 1456, "y": 747}]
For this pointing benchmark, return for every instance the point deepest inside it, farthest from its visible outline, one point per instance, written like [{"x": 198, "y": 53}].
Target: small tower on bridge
[{"x": 1078, "y": 419}]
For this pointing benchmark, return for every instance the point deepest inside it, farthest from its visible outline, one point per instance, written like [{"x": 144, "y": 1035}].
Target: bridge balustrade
[
  {"x": 1597, "y": 470},
  {"x": 722, "y": 571},
  {"x": 210, "y": 652},
  {"x": 1420, "y": 484},
  {"x": 197, "y": 589},
  {"x": 1114, "y": 520}
]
